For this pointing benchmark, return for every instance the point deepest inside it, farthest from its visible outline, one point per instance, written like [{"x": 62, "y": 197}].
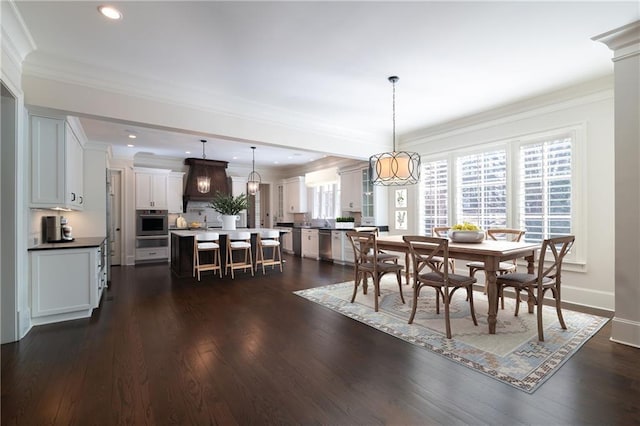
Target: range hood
[{"x": 214, "y": 169}]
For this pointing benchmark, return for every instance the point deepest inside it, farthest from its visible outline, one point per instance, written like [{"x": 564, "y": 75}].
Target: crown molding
[
  {"x": 62, "y": 70},
  {"x": 16, "y": 38},
  {"x": 624, "y": 41},
  {"x": 562, "y": 99}
]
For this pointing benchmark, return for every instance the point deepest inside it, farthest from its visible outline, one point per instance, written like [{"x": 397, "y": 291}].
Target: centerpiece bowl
[{"x": 460, "y": 236}]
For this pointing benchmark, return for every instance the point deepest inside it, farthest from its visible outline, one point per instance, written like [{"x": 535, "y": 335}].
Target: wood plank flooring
[{"x": 164, "y": 351}]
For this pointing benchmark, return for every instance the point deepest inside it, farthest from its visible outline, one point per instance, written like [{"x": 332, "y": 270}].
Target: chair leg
[
  {"x": 539, "y": 315},
  {"x": 470, "y": 297},
  {"x": 400, "y": 286},
  {"x": 376, "y": 290},
  {"x": 416, "y": 292},
  {"x": 517, "y": 301},
  {"x": 556, "y": 295}
]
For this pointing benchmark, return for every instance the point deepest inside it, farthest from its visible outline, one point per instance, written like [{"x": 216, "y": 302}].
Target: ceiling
[{"x": 322, "y": 63}]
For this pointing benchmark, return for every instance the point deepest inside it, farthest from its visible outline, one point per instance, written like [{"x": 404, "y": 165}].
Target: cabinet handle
[
  {"x": 81, "y": 199},
  {"x": 152, "y": 252},
  {"x": 73, "y": 196}
]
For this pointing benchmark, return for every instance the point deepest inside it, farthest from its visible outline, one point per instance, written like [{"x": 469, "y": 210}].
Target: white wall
[{"x": 590, "y": 106}]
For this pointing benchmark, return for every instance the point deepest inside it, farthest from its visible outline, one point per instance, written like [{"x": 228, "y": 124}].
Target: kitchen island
[{"x": 182, "y": 247}]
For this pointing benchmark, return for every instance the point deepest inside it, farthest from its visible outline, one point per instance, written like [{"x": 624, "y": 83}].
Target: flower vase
[{"x": 229, "y": 222}]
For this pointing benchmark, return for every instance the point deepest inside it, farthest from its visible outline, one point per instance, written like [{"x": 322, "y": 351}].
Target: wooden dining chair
[
  {"x": 504, "y": 267},
  {"x": 443, "y": 232},
  {"x": 548, "y": 277},
  {"x": 206, "y": 242},
  {"x": 430, "y": 271},
  {"x": 367, "y": 263},
  {"x": 381, "y": 255}
]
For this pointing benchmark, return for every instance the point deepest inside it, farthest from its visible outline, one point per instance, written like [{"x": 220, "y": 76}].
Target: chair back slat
[
  {"x": 558, "y": 247},
  {"x": 363, "y": 244},
  {"x": 505, "y": 234},
  {"x": 429, "y": 252}
]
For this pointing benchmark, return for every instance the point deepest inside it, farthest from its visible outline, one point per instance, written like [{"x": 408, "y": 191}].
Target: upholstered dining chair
[
  {"x": 443, "y": 232},
  {"x": 239, "y": 241},
  {"x": 202, "y": 243},
  {"x": 504, "y": 267},
  {"x": 430, "y": 271},
  {"x": 367, "y": 263},
  {"x": 268, "y": 239},
  {"x": 548, "y": 277}
]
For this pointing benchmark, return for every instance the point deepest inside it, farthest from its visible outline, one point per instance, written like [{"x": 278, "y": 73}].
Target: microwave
[{"x": 152, "y": 222}]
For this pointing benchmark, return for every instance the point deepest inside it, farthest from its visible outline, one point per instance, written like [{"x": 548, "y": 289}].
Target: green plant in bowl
[{"x": 227, "y": 204}]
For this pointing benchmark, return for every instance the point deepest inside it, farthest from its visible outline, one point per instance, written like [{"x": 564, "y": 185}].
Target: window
[
  {"x": 527, "y": 184},
  {"x": 482, "y": 189},
  {"x": 435, "y": 187},
  {"x": 325, "y": 201},
  {"x": 545, "y": 188}
]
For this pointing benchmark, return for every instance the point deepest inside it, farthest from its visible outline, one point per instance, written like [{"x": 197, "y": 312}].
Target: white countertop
[{"x": 191, "y": 233}]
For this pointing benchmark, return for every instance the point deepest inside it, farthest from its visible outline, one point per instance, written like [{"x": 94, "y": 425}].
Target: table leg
[
  {"x": 530, "y": 270},
  {"x": 492, "y": 296}
]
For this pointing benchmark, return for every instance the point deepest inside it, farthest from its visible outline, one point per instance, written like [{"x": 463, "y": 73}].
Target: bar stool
[
  {"x": 206, "y": 242},
  {"x": 239, "y": 241},
  {"x": 268, "y": 239}
]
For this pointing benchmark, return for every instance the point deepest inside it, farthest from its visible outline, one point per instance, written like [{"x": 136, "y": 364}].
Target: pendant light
[
  {"x": 254, "y": 180},
  {"x": 203, "y": 182},
  {"x": 396, "y": 167}
]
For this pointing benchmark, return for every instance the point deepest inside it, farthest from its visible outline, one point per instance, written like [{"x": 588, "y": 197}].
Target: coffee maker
[{"x": 66, "y": 229}]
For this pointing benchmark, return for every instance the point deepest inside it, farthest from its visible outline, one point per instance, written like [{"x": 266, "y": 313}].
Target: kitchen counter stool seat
[
  {"x": 268, "y": 239},
  {"x": 206, "y": 242},
  {"x": 239, "y": 242}
]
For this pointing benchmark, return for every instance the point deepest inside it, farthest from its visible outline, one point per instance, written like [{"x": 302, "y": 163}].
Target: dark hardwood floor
[{"x": 162, "y": 350}]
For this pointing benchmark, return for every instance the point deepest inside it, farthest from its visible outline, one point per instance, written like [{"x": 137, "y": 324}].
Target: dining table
[{"x": 488, "y": 251}]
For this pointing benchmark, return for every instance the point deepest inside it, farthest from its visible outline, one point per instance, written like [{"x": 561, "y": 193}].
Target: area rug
[{"x": 513, "y": 355}]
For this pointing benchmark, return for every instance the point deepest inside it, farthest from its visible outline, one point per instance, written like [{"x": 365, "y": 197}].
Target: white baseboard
[{"x": 625, "y": 332}]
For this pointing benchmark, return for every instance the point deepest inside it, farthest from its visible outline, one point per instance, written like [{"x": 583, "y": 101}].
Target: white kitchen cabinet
[
  {"x": 295, "y": 195},
  {"x": 351, "y": 190},
  {"x": 347, "y": 250},
  {"x": 310, "y": 244},
  {"x": 287, "y": 242},
  {"x": 374, "y": 202},
  {"x": 336, "y": 246},
  {"x": 57, "y": 172},
  {"x": 175, "y": 189},
  {"x": 151, "y": 190},
  {"x": 66, "y": 284}
]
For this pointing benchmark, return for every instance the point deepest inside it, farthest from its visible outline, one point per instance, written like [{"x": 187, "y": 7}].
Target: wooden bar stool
[
  {"x": 239, "y": 241},
  {"x": 268, "y": 239},
  {"x": 206, "y": 242}
]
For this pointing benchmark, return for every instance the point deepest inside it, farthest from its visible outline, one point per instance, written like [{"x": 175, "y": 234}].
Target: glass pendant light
[
  {"x": 203, "y": 182},
  {"x": 254, "y": 180},
  {"x": 395, "y": 167}
]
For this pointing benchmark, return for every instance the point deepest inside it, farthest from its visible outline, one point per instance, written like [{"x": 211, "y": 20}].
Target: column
[{"x": 625, "y": 43}]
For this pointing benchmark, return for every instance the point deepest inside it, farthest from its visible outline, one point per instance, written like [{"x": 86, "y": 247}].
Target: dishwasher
[
  {"x": 324, "y": 242},
  {"x": 296, "y": 234}
]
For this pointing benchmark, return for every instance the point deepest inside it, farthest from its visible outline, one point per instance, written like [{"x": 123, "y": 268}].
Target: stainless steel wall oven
[{"x": 152, "y": 222}]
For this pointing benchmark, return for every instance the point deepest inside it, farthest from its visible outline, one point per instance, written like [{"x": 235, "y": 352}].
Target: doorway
[{"x": 114, "y": 216}]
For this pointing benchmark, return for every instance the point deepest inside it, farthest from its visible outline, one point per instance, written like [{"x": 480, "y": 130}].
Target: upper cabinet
[
  {"x": 175, "y": 187},
  {"x": 295, "y": 195},
  {"x": 351, "y": 190},
  {"x": 151, "y": 189},
  {"x": 57, "y": 157}
]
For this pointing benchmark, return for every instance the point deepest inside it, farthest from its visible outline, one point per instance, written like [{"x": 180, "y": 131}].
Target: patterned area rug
[{"x": 513, "y": 355}]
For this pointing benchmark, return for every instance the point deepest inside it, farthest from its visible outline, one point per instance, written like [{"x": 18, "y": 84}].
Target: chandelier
[
  {"x": 395, "y": 167},
  {"x": 203, "y": 182},
  {"x": 254, "y": 180}
]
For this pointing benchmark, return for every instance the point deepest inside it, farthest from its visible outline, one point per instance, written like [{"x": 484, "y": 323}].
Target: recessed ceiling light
[
  {"x": 276, "y": 162},
  {"x": 110, "y": 12},
  {"x": 234, "y": 158},
  {"x": 130, "y": 145},
  {"x": 187, "y": 152},
  {"x": 132, "y": 136}
]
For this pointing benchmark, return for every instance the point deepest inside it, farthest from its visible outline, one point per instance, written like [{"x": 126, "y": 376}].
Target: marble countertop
[
  {"x": 191, "y": 233},
  {"x": 85, "y": 242}
]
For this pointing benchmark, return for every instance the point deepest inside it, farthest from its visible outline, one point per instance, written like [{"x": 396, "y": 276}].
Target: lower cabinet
[
  {"x": 66, "y": 284},
  {"x": 310, "y": 244}
]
